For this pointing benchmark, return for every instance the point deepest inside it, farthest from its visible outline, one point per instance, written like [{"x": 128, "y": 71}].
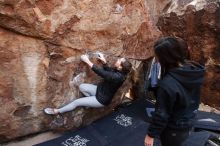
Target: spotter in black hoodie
[{"x": 178, "y": 99}]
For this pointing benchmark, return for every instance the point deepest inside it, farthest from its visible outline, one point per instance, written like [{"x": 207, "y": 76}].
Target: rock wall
[
  {"x": 198, "y": 22},
  {"x": 115, "y": 26},
  {"x": 40, "y": 45},
  {"x": 23, "y": 65}
]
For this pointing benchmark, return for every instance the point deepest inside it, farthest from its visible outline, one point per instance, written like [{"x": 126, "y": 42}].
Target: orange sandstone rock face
[
  {"x": 23, "y": 84},
  {"x": 198, "y": 22},
  {"x": 40, "y": 45},
  {"x": 110, "y": 25}
]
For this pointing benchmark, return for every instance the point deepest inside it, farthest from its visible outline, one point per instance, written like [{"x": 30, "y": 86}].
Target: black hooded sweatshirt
[
  {"x": 112, "y": 80},
  {"x": 178, "y": 99}
]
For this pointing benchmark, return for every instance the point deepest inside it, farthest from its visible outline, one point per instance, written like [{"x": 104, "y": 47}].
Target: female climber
[{"x": 102, "y": 94}]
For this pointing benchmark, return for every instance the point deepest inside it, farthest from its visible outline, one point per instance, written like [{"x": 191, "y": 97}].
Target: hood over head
[{"x": 189, "y": 75}]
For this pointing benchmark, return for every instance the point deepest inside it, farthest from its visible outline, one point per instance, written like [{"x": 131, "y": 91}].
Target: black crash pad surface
[{"x": 125, "y": 127}]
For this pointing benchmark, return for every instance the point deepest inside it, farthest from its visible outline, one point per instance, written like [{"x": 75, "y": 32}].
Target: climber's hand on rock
[
  {"x": 101, "y": 57},
  {"x": 85, "y": 58}
]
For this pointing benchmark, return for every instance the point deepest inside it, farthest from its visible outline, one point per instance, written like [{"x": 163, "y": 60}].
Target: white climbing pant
[{"x": 90, "y": 100}]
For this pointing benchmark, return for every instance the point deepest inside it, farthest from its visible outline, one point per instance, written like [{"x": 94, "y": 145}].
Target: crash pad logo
[
  {"x": 76, "y": 141},
  {"x": 123, "y": 120}
]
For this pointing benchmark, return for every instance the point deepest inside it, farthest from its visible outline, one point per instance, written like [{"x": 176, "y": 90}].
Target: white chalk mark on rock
[
  {"x": 31, "y": 62},
  {"x": 118, "y": 9}
]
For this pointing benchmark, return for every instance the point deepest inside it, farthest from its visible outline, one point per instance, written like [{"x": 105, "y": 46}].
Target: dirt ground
[
  {"x": 32, "y": 140},
  {"x": 207, "y": 108}
]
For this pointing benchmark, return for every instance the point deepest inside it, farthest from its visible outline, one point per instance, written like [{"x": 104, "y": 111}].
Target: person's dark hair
[
  {"x": 126, "y": 66},
  {"x": 184, "y": 47},
  {"x": 169, "y": 52}
]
